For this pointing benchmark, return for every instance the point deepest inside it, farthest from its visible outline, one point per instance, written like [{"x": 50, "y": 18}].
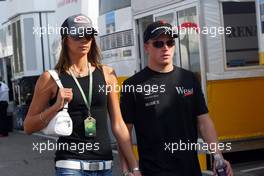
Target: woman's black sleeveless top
[{"x": 77, "y": 146}]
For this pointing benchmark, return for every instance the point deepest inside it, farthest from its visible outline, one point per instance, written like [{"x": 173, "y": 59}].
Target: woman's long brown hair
[{"x": 93, "y": 56}]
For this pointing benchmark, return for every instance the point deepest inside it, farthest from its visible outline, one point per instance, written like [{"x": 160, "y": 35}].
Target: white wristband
[{"x": 135, "y": 169}]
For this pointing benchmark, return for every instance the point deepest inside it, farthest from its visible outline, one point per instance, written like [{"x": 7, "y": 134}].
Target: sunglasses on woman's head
[{"x": 160, "y": 44}]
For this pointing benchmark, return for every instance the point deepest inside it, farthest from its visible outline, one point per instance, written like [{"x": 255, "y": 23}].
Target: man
[
  {"x": 166, "y": 111},
  {"x": 4, "y": 98}
]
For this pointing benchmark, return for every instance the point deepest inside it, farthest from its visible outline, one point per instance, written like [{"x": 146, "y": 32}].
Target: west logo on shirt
[{"x": 183, "y": 91}]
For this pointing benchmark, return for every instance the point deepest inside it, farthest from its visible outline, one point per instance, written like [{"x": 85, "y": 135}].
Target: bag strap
[{"x": 56, "y": 78}]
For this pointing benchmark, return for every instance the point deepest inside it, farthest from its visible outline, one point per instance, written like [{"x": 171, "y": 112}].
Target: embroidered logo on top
[
  {"x": 81, "y": 19},
  {"x": 167, "y": 29},
  {"x": 184, "y": 92}
]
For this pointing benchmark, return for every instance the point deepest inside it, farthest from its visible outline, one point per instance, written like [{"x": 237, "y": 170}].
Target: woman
[{"x": 82, "y": 154}]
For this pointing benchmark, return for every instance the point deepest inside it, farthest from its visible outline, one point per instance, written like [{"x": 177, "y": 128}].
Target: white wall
[
  {"x": 123, "y": 20},
  {"x": 260, "y": 34},
  {"x": 213, "y": 45},
  {"x": 5, "y": 48},
  {"x": 123, "y": 65},
  {"x": 92, "y": 10},
  {"x": 139, "y": 6},
  {"x": 17, "y": 6},
  {"x": 66, "y": 10},
  {"x": 22, "y": 6},
  {"x": 3, "y": 12},
  {"x": 44, "y": 5},
  {"x": 63, "y": 8},
  {"x": 86, "y": 7}
]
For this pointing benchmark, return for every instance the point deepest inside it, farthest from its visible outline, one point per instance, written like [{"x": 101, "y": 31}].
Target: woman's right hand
[{"x": 64, "y": 95}]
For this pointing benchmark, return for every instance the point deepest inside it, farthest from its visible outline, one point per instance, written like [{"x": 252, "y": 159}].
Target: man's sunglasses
[
  {"x": 80, "y": 37},
  {"x": 160, "y": 44}
]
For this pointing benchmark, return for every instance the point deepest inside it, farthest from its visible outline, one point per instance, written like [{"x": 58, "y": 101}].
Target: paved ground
[
  {"x": 250, "y": 169},
  {"x": 19, "y": 158}
]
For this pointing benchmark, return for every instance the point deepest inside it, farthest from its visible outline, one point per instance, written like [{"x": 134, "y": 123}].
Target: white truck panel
[
  {"x": 17, "y": 6},
  {"x": 214, "y": 45},
  {"x": 123, "y": 21},
  {"x": 140, "y": 6},
  {"x": 260, "y": 19}
]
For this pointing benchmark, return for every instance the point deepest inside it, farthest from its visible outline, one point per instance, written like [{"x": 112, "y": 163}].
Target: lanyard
[{"x": 87, "y": 103}]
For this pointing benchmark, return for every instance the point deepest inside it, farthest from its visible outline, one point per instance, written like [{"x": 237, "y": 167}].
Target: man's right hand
[{"x": 137, "y": 173}]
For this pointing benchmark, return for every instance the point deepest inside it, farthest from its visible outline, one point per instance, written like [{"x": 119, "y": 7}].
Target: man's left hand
[{"x": 229, "y": 170}]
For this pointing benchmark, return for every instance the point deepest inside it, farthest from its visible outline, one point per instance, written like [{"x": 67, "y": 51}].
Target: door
[
  {"x": 142, "y": 23},
  {"x": 187, "y": 52}
]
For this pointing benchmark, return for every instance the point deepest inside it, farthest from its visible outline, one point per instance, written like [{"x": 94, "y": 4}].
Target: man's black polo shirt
[{"x": 163, "y": 107}]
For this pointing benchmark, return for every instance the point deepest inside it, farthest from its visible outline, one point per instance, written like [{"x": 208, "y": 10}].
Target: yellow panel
[
  {"x": 236, "y": 107},
  {"x": 120, "y": 80},
  {"x": 261, "y": 56},
  {"x": 135, "y": 151},
  {"x": 202, "y": 161}
]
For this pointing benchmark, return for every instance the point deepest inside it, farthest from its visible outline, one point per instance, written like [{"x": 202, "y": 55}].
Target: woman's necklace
[{"x": 77, "y": 73}]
